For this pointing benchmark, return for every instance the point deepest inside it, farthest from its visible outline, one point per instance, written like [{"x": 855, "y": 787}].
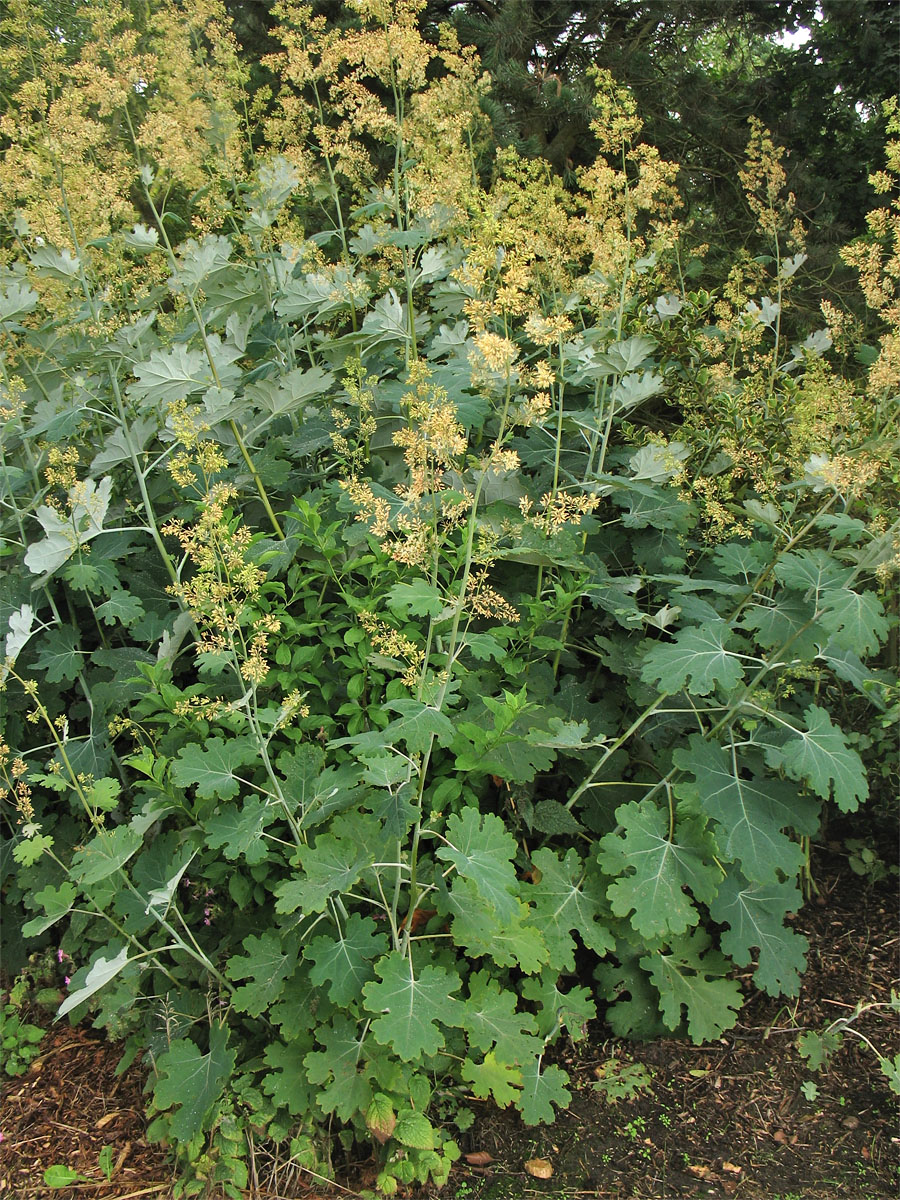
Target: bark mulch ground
[{"x": 731, "y": 1119}]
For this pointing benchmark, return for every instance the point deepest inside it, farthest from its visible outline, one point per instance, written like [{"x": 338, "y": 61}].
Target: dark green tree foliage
[{"x": 699, "y": 71}]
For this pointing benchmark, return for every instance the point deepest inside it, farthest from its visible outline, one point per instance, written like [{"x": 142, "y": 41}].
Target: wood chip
[
  {"x": 540, "y": 1168},
  {"x": 479, "y": 1158},
  {"x": 728, "y": 1166}
]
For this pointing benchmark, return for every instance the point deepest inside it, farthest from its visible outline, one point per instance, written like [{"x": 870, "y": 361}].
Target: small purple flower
[
  {"x": 60, "y": 954},
  {"x": 68, "y": 981}
]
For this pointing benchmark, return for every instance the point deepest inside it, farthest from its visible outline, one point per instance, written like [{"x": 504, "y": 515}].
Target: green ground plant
[
  {"x": 19, "y": 1042},
  {"x": 427, "y": 616},
  {"x": 818, "y": 1047},
  {"x": 622, "y": 1081}
]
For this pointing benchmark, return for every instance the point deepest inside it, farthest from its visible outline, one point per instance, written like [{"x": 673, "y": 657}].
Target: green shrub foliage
[{"x": 429, "y": 623}]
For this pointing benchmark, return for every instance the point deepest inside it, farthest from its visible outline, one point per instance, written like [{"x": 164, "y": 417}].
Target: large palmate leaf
[
  {"x": 191, "y": 1082},
  {"x": 213, "y": 766},
  {"x": 321, "y": 295},
  {"x": 56, "y": 903},
  {"x": 821, "y": 757},
  {"x": 755, "y": 914},
  {"x": 267, "y": 966},
  {"x": 482, "y": 849},
  {"x": 569, "y": 897},
  {"x": 197, "y": 260},
  {"x": 650, "y": 507},
  {"x": 122, "y": 608},
  {"x": 854, "y": 620},
  {"x": 342, "y": 960},
  {"x": 812, "y": 571},
  {"x": 849, "y": 667},
  {"x": 333, "y": 864},
  {"x": 286, "y": 393},
  {"x": 651, "y": 869},
  {"x": 301, "y": 766},
  {"x": 286, "y": 1081},
  {"x": 788, "y": 621},
  {"x": 170, "y": 375},
  {"x": 386, "y": 321},
  {"x": 239, "y": 830},
  {"x": 492, "y": 1021},
  {"x": 314, "y": 793},
  {"x": 638, "y": 1015},
  {"x": 59, "y": 654},
  {"x": 410, "y": 1006},
  {"x": 627, "y": 354},
  {"x": 493, "y": 1078},
  {"x": 302, "y": 1006},
  {"x": 417, "y": 725},
  {"x": 742, "y": 560},
  {"x": 636, "y": 387},
  {"x": 509, "y": 756},
  {"x": 55, "y": 264},
  {"x": 340, "y": 1068},
  {"x": 479, "y": 931},
  {"x": 690, "y": 978},
  {"x": 752, "y": 812},
  {"x": 557, "y": 1010},
  {"x": 105, "y": 854},
  {"x": 541, "y": 1089},
  {"x": 418, "y": 597},
  {"x": 16, "y": 300},
  {"x": 697, "y": 660},
  {"x": 504, "y": 739}
]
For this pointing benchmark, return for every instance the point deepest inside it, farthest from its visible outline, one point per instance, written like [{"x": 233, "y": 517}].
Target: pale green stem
[
  {"x": 201, "y": 328},
  {"x": 114, "y": 384}
]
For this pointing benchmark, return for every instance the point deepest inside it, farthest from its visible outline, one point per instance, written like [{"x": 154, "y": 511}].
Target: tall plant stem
[
  {"x": 201, "y": 327},
  {"x": 116, "y": 390}
]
